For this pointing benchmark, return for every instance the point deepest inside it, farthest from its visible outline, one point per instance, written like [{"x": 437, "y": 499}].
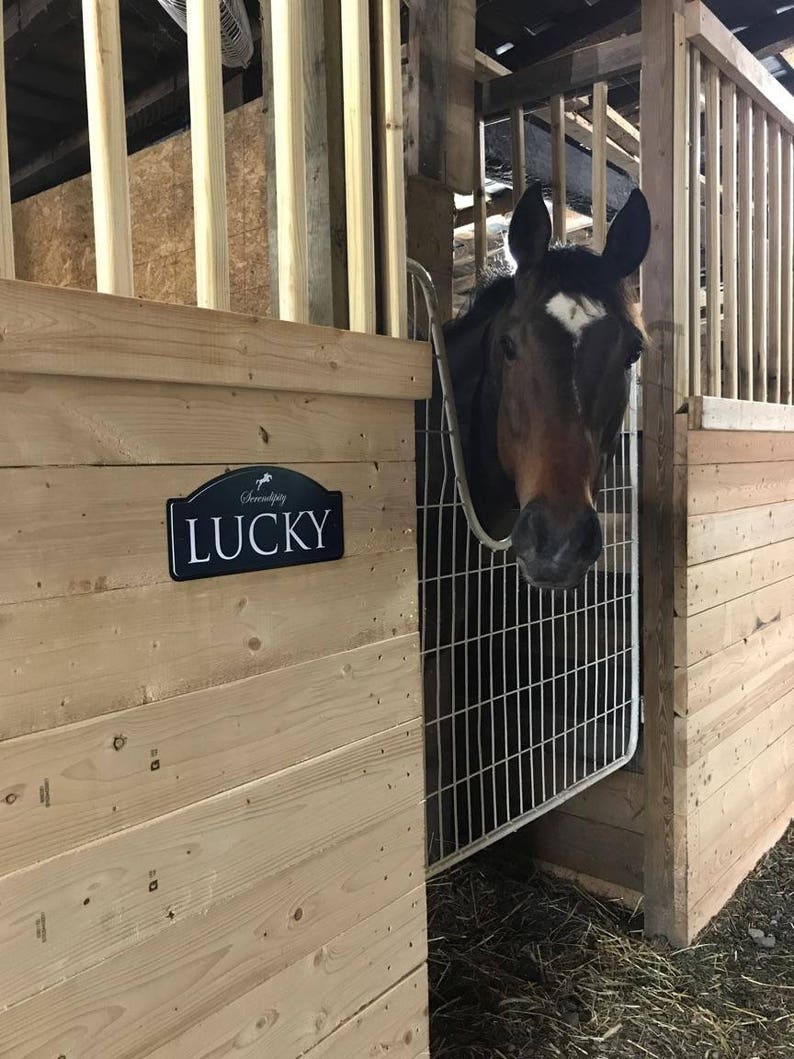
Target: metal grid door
[{"x": 530, "y": 696}]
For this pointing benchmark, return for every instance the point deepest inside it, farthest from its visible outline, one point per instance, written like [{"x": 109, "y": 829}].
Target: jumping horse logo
[{"x": 263, "y": 480}]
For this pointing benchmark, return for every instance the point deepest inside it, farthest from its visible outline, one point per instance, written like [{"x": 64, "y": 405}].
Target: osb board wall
[
  {"x": 53, "y": 231},
  {"x": 211, "y": 824},
  {"x": 734, "y": 749}
]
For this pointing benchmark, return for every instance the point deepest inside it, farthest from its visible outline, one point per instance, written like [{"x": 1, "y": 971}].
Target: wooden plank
[
  {"x": 479, "y": 206},
  {"x": 732, "y": 486},
  {"x": 787, "y": 275},
  {"x": 578, "y": 128},
  {"x": 631, "y": 899},
  {"x": 311, "y": 999},
  {"x": 559, "y": 212},
  {"x": 599, "y": 165},
  {"x": 730, "y": 333},
  {"x": 519, "y": 153},
  {"x": 774, "y": 177},
  {"x": 107, "y": 136},
  {"x": 6, "y": 225},
  {"x": 711, "y": 772},
  {"x": 459, "y": 118},
  {"x": 75, "y": 657},
  {"x": 396, "y": 1024},
  {"x": 567, "y": 73},
  {"x": 120, "y": 1007},
  {"x": 760, "y": 257},
  {"x": 722, "y": 48},
  {"x": 98, "y": 900},
  {"x": 751, "y": 810},
  {"x": 290, "y": 159},
  {"x": 269, "y": 146},
  {"x": 739, "y": 446},
  {"x": 55, "y": 331},
  {"x": 720, "y": 893},
  {"x": 74, "y": 421},
  {"x": 712, "y": 630},
  {"x": 730, "y": 709},
  {"x": 610, "y": 853},
  {"x": 665, "y": 295},
  {"x": 81, "y": 782},
  {"x": 707, "y": 413},
  {"x": 710, "y": 584},
  {"x": 724, "y": 533},
  {"x": 393, "y": 278},
  {"x": 616, "y": 801},
  {"x": 126, "y": 545},
  {"x": 695, "y": 204},
  {"x": 745, "y": 248},
  {"x": 208, "y": 156},
  {"x": 359, "y": 200},
  {"x": 711, "y": 371},
  {"x": 725, "y": 674}
]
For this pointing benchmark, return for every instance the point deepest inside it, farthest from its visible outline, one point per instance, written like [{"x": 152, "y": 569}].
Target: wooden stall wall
[
  {"x": 54, "y": 231},
  {"x": 211, "y": 823},
  {"x": 734, "y": 746}
]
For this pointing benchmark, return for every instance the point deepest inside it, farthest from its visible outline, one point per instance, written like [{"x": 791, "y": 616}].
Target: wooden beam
[
  {"x": 290, "y": 159},
  {"x": 599, "y": 162},
  {"x": 108, "y": 142},
  {"x": 787, "y": 275},
  {"x": 558, "y": 183},
  {"x": 6, "y": 224},
  {"x": 358, "y": 165},
  {"x": 745, "y": 249},
  {"x": 711, "y": 374},
  {"x": 480, "y": 213},
  {"x": 695, "y": 204},
  {"x": 774, "y": 174},
  {"x": 719, "y": 45},
  {"x": 389, "y": 120},
  {"x": 760, "y": 260},
  {"x": 207, "y": 146},
  {"x": 519, "y": 153},
  {"x": 579, "y": 69},
  {"x": 665, "y": 304},
  {"x": 730, "y": 349}
]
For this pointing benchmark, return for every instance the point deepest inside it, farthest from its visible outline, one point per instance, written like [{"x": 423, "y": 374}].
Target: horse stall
[
  {"x": 211, "y": 788},
  {"x": 709, "y": 788}
]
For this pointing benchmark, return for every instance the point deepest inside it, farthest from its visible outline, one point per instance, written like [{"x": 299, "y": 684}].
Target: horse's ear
[
  {"x": 628, "y": 236},
  {"x": 530, "y": 229}
]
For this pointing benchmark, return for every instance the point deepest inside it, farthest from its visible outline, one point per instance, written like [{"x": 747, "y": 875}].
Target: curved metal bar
[{"x": 420, "y": 274}]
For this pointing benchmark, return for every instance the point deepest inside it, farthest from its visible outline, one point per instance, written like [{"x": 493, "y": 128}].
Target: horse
[{"x": 540, "y": 366}]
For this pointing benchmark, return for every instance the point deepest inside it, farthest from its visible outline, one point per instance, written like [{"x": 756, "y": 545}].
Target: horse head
[{"x": 555, "y": 343}]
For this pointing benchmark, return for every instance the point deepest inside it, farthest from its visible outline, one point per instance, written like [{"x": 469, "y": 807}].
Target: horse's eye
[
  {"x": 634, "y": 354},
  {"x": 509, "y": 350}
]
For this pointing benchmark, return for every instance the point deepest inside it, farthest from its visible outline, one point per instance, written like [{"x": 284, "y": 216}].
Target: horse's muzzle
[{"x": 554, "y": 553}]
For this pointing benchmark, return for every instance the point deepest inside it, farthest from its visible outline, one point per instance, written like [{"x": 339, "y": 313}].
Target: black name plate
[{"x": 256, "y": 518}]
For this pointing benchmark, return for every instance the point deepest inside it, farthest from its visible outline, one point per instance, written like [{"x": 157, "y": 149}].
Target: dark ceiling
[{"x": 46, "y": 94}]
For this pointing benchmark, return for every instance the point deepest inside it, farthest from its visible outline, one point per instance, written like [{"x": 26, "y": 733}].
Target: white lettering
[
  {"x": 319, "y": 526},
  {"x": 217, "y": 520},
  {"x": 191, "y": 522},
  {"x": 254, "y": 545},
  {"x": 290, "y": 528}
]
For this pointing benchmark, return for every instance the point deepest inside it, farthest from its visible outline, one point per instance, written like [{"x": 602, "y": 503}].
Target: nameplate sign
[{"x": 256, "y": 518}]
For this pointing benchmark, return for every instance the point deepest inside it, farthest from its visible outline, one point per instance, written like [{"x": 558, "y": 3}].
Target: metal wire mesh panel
[{"x": 530, "y": 695}]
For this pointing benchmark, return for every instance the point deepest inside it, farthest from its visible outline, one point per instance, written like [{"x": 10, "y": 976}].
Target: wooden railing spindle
[
  {"x": 559, "y": 225},
  {"x": 730, "y": 387},
  {"x": 518, "y": 144},
  {"x": 695, "y": 202},
  {"x": 787, "y": 271},
  {"x": 599, "y": 164},
  {"x": 760, "y": 257},
  {"x": 711, "y": 368},
  {"x": 745, "y": 251},
  {"x": 773, "y": 242}
]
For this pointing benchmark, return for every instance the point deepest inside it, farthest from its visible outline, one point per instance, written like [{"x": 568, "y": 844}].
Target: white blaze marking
[{"x": 575, "y": 314}]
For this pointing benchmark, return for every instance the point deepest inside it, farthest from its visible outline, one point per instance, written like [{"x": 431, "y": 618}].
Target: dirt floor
[{"x": 529, "y": 969}]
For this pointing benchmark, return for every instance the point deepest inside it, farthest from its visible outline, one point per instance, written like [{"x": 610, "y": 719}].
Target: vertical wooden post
[
  {"x": 207, "y": 144},
  {"x": 480, "y": 207},
  {"x": 665, "y": 302},
  {"x": 358, "y": 165},
  {"x": 392, "y": 185},
  {"x": 773, "y": 246},
  {"x": 711, "y": 374},
  {"x": 745, "y": 212},
  {"x": 729, "y": 279},
  {"x": 6, "y": 228},
  {"x": 695, "y": 241},
  {"x": 107, "y": 133},
  {"x": 558, "y": 180},
  {"x": 760, "y": 263},
  {"x": 519, "y": 153},
  {"x": 787, "y": 275},
  {"x": 290, "y": 159},
  {"x": 599, "y": 164}
]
